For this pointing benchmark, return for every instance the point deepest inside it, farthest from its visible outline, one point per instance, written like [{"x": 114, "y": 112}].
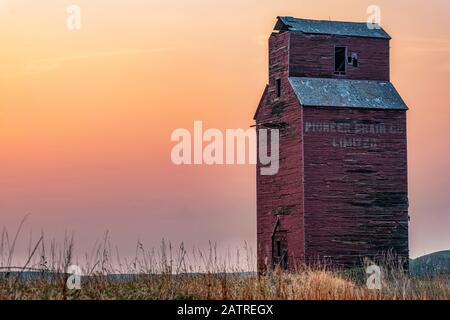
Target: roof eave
[
  {"x": 358, "y": 108},
  {"x": 266, "y": 89},
  {"x": 340, "y": 35},
  {"x": 402, "y": 106},
  {"x": 281, "y": 22}
]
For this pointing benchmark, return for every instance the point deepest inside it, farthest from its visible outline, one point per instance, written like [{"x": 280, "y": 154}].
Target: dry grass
[
  {"x": 168, "y": 273},
  {"x": 307, "y": 285}
]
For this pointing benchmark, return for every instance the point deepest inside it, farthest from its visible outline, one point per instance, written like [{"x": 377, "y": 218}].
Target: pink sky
[{"x": 86, "y": 116}]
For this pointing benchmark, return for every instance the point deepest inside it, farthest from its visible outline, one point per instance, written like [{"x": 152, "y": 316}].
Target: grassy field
[
  {"x": 169, "y": 273},
  {"x": 309, "y": 284}
]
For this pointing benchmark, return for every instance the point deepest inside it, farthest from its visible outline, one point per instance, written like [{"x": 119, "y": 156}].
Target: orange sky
[{"x": 86, "y": 116}]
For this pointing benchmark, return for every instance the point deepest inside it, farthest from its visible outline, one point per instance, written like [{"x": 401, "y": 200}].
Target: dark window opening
[
  {"x": 340, "y": 60},
  {"x": 278, "y": 88}
]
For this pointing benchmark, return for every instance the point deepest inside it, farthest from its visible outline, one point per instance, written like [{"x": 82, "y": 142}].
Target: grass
[
  {"x": 305, "y": 285},
  {"x": 169, "y": 273}
]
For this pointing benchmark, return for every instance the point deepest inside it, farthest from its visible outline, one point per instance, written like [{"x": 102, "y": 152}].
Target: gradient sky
[{"x": 86, "y": 116}]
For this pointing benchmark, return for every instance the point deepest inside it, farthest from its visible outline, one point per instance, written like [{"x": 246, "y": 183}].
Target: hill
[{"x": 431, "y": 264}]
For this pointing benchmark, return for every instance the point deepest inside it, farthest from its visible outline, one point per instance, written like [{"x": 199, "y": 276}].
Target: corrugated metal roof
[
  {"x": 356, "y": 29},
  {"x": 325, "y": 92}
]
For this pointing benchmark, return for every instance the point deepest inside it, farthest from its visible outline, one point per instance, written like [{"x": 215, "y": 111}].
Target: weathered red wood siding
[
  {"x": 278, "y": 60},
  {"x": 313, "y": 56},
  {"x": 284, "y": 189},
  {"x": 356, "y": 191}
]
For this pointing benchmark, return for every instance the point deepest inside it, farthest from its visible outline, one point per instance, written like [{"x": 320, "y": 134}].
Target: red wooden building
[{"x": 341, "y": 193}]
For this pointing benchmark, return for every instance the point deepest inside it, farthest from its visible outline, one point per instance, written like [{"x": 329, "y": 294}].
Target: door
[{"x": 280, "y": 250}]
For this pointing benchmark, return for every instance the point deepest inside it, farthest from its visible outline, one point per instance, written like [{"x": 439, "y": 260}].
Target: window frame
[{"x": 336, "y": 72}]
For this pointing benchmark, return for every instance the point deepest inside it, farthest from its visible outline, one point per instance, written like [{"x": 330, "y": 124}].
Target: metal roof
[
  {"x": 355, "y": 29},
  {"x": 367, "y": 94}
]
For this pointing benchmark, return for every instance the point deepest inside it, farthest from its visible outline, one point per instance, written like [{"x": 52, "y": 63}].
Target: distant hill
[{"x": 431, "y": 264}]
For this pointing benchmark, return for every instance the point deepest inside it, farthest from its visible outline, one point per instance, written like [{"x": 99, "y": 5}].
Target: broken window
[
  {"x": 340, "y": 60},
  {"x": 278, "y": 88},
  {"x": 355, "y": 60}
]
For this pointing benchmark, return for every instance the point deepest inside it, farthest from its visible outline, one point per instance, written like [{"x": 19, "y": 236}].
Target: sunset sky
[{"x": 86, "y": 116}]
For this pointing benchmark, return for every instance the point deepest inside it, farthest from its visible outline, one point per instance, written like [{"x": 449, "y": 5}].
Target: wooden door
[{"x": 280, "y": 250}]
